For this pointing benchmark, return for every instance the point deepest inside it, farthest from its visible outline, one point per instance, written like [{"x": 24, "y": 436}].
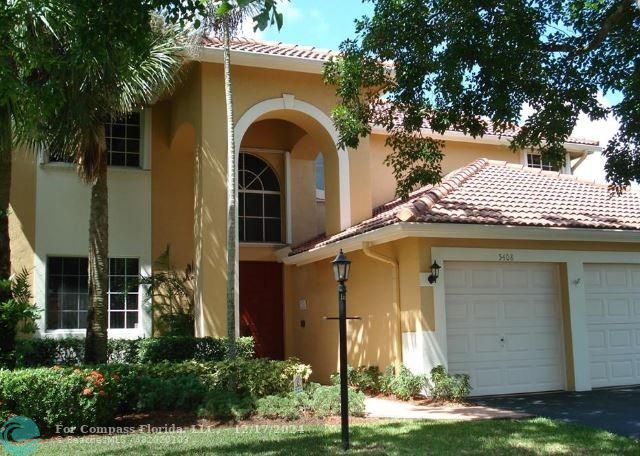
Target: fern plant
[
  {"x": 170, "y": 292},
  {"x": 17, "y": 313}
]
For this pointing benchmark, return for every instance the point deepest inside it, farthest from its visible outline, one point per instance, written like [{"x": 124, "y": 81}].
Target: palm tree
[
  {"x": 224, "y": 19},
  {"x": 116, "y": 61}
]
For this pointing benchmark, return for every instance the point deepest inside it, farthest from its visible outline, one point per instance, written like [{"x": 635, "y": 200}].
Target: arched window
[{"x": 259, "y": 209}]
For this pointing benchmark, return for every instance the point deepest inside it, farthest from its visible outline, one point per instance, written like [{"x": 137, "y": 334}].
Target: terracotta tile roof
[
  {"x": 274, "y": 48},
  {"x": 489, "y": 192}
]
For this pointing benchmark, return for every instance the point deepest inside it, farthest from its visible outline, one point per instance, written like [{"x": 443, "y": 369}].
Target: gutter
[
  {"x": 457, "y": 231},
  {"x": 395, "y": 284}
]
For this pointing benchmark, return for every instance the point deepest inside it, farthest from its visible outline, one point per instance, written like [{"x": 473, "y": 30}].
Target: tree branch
[{"x": 617, "y": 15}]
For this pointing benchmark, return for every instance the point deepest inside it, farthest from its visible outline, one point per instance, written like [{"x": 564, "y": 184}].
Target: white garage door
[
  {"x": 613, "y": 323},
  {"x": 504, "y": 326}
]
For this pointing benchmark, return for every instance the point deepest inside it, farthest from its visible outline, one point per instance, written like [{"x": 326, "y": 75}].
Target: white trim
[
  {"x": 276, "y": 104},
  {"x": 578, "y": 323},
  {"x": 460, "y": 231},
  {"x": 257, "y": 60},
  {"x": 287, "y": 195},
  {"x": 487, "y": 139}
]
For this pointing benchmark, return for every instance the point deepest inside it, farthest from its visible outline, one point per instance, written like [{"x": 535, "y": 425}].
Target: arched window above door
[{"x": 259, "y": 205}]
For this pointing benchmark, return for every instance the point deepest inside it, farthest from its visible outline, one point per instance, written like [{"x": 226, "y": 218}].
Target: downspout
[{"x": 395, "y": 279}]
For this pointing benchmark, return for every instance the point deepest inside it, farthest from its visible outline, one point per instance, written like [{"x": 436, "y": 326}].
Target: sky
[{"x": 326, "y": 23}]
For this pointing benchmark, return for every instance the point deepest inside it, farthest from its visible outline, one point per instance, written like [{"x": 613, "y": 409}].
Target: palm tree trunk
[
  {"x": 232, "y": 195},
  {"x": 7, "y": 340},
  {"x": 5, "y": 190},
  {"x": 97, "y": 324}
]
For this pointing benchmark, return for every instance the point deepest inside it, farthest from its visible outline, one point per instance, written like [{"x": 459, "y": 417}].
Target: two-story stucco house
[{"x": 539, "y": 286}]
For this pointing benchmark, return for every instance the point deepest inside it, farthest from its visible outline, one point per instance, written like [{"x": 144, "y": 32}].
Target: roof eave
[
  {"x": 259, "y": 60},
  {"x": 457, "y": 231},
  {"x": 491, "y": 139}
]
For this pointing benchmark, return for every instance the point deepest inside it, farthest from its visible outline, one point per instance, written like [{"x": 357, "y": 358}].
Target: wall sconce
[{"x": 435, "y": 273}]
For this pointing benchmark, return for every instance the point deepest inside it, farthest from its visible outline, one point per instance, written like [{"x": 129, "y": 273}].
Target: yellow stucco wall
[
  {"x": 370, "y": 296},
  {"x": 22, "y": 211},
  {"x": 457, "y": 155}
]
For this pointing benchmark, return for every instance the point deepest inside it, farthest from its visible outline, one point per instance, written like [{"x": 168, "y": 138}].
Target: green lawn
[{"x": 500, "y": 437}]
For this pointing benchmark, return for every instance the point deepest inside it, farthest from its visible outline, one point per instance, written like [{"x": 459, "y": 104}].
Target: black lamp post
[{"x": 341, "y": 267}]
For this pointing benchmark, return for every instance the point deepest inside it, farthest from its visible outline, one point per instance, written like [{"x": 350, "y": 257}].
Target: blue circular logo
[{"x": 19, "y": 436}]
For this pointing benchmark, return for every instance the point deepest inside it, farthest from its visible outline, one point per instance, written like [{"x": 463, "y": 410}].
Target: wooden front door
[{"x": 261, "y": 307}]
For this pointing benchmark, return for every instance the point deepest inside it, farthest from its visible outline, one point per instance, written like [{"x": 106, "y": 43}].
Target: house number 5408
[{"x": 505, "y": 257}]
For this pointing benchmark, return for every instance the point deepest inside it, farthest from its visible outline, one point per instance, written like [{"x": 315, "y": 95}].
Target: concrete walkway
[{"x": 377, "y": 407}]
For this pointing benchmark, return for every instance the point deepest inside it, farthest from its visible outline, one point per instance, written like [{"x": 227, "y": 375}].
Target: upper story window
[
  {"x": 259, "y": 205},
  {"x": 123, "y": 138},
  {"x": 535, "y": 160},
  {"x": 68, "y": 296},
  {"x": 319, "y": 164}
]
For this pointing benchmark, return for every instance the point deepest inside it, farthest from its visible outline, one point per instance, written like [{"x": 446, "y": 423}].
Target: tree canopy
[{"x": 471, "y": 66}]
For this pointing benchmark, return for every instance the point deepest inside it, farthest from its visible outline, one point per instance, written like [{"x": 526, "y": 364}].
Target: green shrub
[
  {"x": 73, "y": 396},
  {"x": 288, "y": 407},
  {"x": 363, "y": 378},
  {"x": 122, "y": 351},
  {"x": 404, "y": 386},
  {"x": 325, "y": 401},
  {"x": 70, "y": 351},
  {"x": 448, "y": 387},
  {"x": 59, "y": 396},
  {"x": 181, "y": 392},
  {"x": 182, "y": 348},
  {"x": 224, "y": 405},
  {"x": 262, "y": 377}
]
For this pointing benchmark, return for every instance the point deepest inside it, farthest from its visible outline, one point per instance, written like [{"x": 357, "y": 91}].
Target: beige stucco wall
[
  {"x": 457, "y": 155},
  {"x": 22, "y": 211},
  {"x": 370, "y": 296}
]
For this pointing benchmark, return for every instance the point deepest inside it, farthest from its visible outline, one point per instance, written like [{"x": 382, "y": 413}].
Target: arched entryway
[{"x": 283, "y": 137}]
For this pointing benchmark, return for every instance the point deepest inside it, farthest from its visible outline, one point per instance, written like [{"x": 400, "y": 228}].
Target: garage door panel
[
  {"x": 504, "y": 326},
  {"x": 613, "y": 323}
]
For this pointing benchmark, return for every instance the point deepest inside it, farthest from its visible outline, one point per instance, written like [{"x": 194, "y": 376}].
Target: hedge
[
  {"x": 70, "y": 351},
  {"x": 93, "y": 397},
  {"x": 58, "y": 396}
]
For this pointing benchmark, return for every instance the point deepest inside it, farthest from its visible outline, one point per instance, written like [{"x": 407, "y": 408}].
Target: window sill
[
  {"x": 72, "y": 167},
  {"x": 113, "y": 333}
]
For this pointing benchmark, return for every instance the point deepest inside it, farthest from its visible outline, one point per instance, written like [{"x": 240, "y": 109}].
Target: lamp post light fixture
[
  {"x": 435, "y": 273},
  {"x": 341, "y": 266}
]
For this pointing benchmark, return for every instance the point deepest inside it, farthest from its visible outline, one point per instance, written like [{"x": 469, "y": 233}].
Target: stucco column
[{"x": 578, "y": 323}]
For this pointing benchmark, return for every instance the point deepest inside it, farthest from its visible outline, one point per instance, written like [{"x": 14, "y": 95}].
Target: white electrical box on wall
[{"x": 302, "y": 304}]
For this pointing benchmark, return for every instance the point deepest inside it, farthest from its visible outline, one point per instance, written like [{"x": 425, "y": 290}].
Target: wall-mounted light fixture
[{"x": 435, "y": 273}]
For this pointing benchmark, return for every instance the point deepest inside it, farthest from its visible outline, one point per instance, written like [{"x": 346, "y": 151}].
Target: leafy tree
[
  {"x": 27, "y": 41},
  {"x": 115, "y": 57},
  {"x": 224, "y": 19},
  {"x": 471, "y": 65}
]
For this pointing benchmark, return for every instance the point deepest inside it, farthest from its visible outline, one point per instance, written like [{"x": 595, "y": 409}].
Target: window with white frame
[
  {"x": 123, "y": 136},
  {"x": 259, "y": 205},
  {"x": 68, "y": 296},
  {"x": 535, "y": 160}
]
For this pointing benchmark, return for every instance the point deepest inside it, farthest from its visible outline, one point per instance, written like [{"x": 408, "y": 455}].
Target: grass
[{"x": 498, "y": 437}]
